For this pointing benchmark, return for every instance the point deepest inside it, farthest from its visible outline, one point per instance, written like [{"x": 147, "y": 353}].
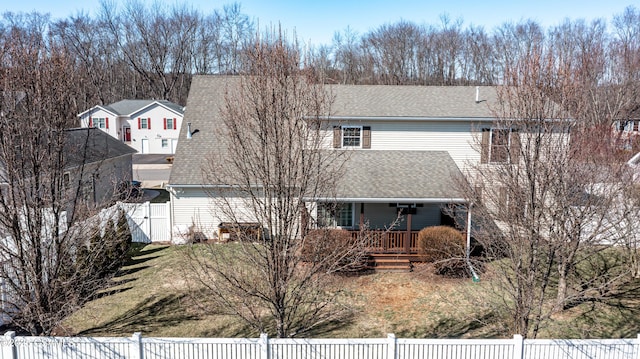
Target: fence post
[
  {"x": 169, "y": 218},
  {"x": 518, "y": 346},
  {"x": 137, "y": 350},
  {"x": 264, "y": 346},
  {"x": 392, "y": 342},
  {"x": 147, "y": 215},
  {"x": 9, "y": 349}
]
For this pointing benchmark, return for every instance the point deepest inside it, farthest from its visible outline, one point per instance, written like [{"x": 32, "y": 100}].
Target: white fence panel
[
  {"x": 455, "y": 348},
  {"x": 581, "y": 349},
  {"x": 160, "y": 348},
  {"x": 149, "y": 222},
  {"x": 137, "y": 347},
  {"x": 160, "y": 229},
  {"x": 63, "y": 347},
  {"x": 328, "y": 348}
]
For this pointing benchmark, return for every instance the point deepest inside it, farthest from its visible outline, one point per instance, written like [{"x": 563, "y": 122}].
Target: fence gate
[{"x": 149, "y": 222}]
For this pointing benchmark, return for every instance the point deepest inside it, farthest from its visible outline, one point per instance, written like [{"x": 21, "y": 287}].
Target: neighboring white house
[
  {"x": 148, "y": 126},
  {"x": 410, "y": 144}
]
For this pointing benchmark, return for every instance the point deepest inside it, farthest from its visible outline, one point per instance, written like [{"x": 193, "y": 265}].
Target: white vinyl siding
[
  {"x": 195, "y": 206},
  {"x": 455, "y": 137}
]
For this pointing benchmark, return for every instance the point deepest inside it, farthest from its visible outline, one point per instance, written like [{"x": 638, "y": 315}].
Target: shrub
[
  {"x": 440, "y": 242},
  {"x": 333, "y": 250},
  {"x": 444, "y": 246}
]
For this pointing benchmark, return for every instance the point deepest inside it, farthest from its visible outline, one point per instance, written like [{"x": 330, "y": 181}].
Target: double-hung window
[
  {"x": 500, "y": 145},
  {"x": 99, "y": 122},
  {"x": 351, "y": 136},
  {"x": 144, "y": 123},
  {"x": 499, "y": 150},
  {"x": 169, "y": 124}
]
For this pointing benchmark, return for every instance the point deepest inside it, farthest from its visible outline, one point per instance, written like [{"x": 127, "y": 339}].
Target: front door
[
  {"x": 145, "y": 145},
  {"x": 127, "y": 134}
]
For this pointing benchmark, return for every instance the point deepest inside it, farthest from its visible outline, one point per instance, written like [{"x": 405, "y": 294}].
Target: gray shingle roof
[
  {"x": 412, "y": 101},
  {"x": 399, "y": 174},
  {"x": 127, "y": 107},
  {"x": 99, "y": 146},
  {"x": 207, "y": 96}
]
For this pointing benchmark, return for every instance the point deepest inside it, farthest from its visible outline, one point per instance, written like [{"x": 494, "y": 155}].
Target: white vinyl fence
[
  {"x": 137, "y": 347},
  {"x": 149, "y": 222}
]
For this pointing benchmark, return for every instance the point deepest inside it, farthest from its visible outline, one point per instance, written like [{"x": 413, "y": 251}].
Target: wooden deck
[{"x": 390, "y": 242}]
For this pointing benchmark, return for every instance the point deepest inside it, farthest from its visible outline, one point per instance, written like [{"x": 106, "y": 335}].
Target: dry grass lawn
[{"x": 152, "y": 296}]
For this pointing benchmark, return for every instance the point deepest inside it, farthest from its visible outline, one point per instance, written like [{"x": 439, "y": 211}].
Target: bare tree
[
  {"x": 271, "y": 165},
  {"x": 554, "y": 193},
  {"x": 44, "y": 212}
]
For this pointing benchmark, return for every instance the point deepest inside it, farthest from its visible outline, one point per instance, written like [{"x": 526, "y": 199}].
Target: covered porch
[
  {"x": 392, "y": 228},
  {"x": 389, "y": 196}
]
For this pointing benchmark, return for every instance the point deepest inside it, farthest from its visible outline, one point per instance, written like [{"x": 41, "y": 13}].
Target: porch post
[
  {"x": 361, "y": 216},
  {"x": 407, "y": 239},
  {"x": 304, "y": 219}
]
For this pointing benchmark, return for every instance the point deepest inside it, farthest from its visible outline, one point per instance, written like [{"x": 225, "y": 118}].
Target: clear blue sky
[{"x": 316, "y": 21}]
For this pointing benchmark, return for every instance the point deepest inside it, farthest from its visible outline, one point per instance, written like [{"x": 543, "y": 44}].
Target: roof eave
[
  {"x": 407, "y": 118},
  {"x": 97, "y": 108}
]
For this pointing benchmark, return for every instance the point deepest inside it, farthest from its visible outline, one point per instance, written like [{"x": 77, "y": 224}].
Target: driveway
[
  {"x": 151, "y": 169},
  {"x": 147, "y": 159}
]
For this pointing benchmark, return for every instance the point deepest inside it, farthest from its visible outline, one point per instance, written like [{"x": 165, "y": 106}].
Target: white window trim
[
  {"x": 173, "y": 123},
  {"x": 342, "y": 137},
  {"x": 146, "y": 123},
  {"x": 99, "y": 122}
]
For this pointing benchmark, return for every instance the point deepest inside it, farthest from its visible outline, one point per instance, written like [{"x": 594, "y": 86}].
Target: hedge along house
[{"x": 408, "y": 147}]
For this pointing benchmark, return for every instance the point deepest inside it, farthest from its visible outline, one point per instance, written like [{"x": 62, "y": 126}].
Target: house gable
[{"x": 148, "y": 126}]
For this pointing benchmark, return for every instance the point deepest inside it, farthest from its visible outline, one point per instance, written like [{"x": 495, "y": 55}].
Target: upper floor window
[
  {"x": 101, "y": 122},
  {"x": 500, "y": 145},
  {"x": 351, "y": 137},
  {"x": 169, "y": 123},
  {"x": 144, "y": 123}
]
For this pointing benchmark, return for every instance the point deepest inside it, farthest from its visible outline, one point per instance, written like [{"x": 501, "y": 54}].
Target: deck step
[{"x": 388, "y": 264}]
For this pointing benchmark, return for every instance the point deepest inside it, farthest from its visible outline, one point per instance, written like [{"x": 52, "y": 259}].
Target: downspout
[{"x": 474, "y": 275}]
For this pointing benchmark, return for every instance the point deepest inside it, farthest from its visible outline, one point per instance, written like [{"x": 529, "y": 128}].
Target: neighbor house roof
[
  {"x": 90, "y": 145},
  {"x": 207, "y": 96},
  {"x": 130, "y": 107}
]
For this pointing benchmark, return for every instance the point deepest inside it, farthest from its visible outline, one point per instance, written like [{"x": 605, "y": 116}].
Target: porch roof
[{"x": 400, "y": 176}]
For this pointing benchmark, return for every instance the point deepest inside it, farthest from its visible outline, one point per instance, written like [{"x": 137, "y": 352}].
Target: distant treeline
[{"x": 133, "y": 50}]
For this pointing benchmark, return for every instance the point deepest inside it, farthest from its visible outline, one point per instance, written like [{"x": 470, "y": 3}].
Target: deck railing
[{"x": 379, "y": 241}]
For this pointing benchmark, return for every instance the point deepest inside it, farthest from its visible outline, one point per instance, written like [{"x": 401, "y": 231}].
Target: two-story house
[
  {"x": 148, "y": 126},
  {"x": 409, "y": 146}
]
